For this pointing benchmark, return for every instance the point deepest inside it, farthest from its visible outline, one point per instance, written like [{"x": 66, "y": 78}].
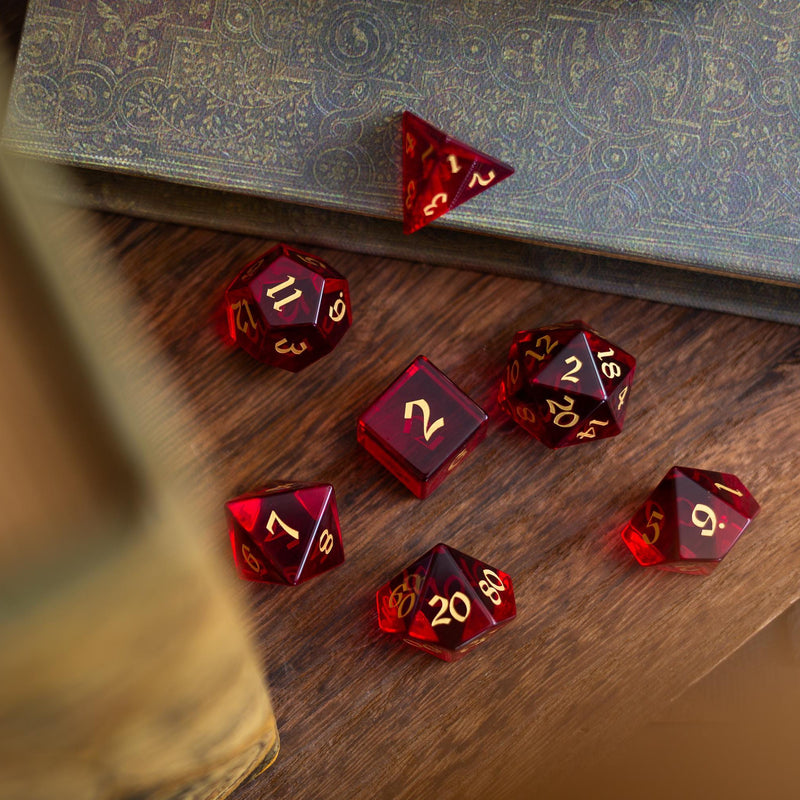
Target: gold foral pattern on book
[{"x": 665, "y": 130}]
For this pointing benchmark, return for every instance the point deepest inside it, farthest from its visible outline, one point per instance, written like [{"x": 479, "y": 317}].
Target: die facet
[
  {"x": 422, "y": 427},
  {"x": 287, "y": 308},
  {"x": 440, "y": 172},
  {"x": 285, "y": 533},
  {"x": 445, "y": 602},
  {"x": 565, "y": 384},
  {"x": 690, "y": 521}
]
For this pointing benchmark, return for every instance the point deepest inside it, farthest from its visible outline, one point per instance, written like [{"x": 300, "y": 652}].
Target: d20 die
[
  {"x": 422, "y": 427},
  {"x": 565, "y": 384},
  {"x": 285, "y": 533},
  {"x": 690, "y": 521},
  {"x": 287, "y": 308},
  {"x": 440, "y": 172},
  {"x": 446, "y": 602}
]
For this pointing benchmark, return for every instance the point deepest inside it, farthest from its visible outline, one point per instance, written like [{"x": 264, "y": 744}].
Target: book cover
[{"x": 666, "y": 133}]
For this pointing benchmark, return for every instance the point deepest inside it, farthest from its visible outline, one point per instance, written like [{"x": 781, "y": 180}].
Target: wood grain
[{"x": 599, "y": 645}]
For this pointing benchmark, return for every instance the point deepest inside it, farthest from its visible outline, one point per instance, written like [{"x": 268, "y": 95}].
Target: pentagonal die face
[
  {"x": 287, "y": 308},
  {"x": 285, "y": 533},
  {"x": 565, "y": 384},
  {"x": 690, "y": 521},
  {"x": 445, "y": 602}
]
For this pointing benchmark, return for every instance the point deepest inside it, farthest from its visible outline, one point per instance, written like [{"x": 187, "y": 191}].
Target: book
[{"x": 662, "y": 142}]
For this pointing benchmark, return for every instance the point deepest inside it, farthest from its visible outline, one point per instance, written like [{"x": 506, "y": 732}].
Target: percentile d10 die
[{"x": 445, "y": 602}]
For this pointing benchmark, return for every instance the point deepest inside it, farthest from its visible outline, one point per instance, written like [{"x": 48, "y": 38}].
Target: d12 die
[
  {"x": 440, "y": 172},
  {"x": 445, "y": 602},
  {"x": 422, "y": 427},
  {"x": 287, "y": 308},
  {"x": 285, "y": 533},
  {"x": 690, "y": 521},
  {"x": 564, "y": 384}
]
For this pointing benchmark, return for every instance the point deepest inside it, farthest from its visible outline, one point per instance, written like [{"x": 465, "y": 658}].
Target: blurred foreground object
[{"x": 125, "y": 670}]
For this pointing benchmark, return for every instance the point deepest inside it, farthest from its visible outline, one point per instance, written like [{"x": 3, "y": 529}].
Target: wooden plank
[{"x": 599, "y": 644}]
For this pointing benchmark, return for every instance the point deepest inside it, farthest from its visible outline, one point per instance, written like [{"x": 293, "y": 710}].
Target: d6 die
[
  {"x": 445, "y": 602},
  {"x": 421, "y": 427},
  {"x": 690, "y": 521},
  {"x": 285, "y": 533},
  {"x": 287, "y": 308},
  {"x": 564, "y": 384}
]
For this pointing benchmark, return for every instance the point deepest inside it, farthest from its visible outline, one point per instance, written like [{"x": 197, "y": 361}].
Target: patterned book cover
[{"x": 649, "y": 129}]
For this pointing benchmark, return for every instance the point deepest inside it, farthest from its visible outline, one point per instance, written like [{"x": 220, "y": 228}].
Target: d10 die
[
  {"x": 440, "y": 173},
  {"x": 422, "y": 427},
  {"x": 564, "y": 384},
  {"x": 445, "y": 602},
  {"x": 690, "y": 521},
  {"x": 287, "y": 308},
  {"x": 285, "y": 533}
]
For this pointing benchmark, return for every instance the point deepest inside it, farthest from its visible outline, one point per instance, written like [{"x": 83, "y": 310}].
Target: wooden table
[{"x": 599, "y": 645}]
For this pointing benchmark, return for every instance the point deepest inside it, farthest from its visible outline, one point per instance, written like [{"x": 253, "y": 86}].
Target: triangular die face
[
  {"x": 600, "y": 424},
  {"x": 618, "y": 400},
  {"x": 440, "y": 172},
  {"x": 314, "y": 498},
  {"x": 245, "y": 511},
  {"x": 325, "y": 549},
  {"x": 484, "y": 172},
  {"x": 448, "y": 611},
  {"x": 573, "y": 370},
  {"x": 250, "y": 561}
]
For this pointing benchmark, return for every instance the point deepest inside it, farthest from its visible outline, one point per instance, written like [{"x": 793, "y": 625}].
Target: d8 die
[
  {"x": 564, "y": 384},
  {"x": 421, "y": 427},
  {"x": 285, "y": 533},
  {"x": 287, "y": 308},
  {"x": 690, "y": 521},
  {"x": 445, "y": 602}
]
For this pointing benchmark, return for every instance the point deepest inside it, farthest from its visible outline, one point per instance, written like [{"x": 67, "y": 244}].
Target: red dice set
[
  {"x": 690, "y": 521},
  {"x": 565, "y": 384},
  {"x": 287, "y": 308},
  {"x": 446, "y": 602},
  {"x": 422, "y": 427},
  {"x": 285, "y": 533},
  {"x": 440, "y": 172}
]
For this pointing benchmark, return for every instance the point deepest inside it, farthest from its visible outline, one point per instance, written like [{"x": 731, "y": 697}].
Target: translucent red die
[
  {"x": 690, "y": 521},
  {"x": 287, "y": 308},
  {"x": 422, "y": 427},
  {"x": 446, "y": 602},
  {"x": 565, "y": 384},
  {"x": 440, "y": 172},
  {"x": 285, "y": 533}
]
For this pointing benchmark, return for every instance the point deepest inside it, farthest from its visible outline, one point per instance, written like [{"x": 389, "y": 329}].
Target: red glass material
[
  {"x": 690, "y": 521},
  {"x": 287, "y": 308},
  {"x": 285, "y": 533},
  {"x": 422, "y": 427},
  {"x": 565, "y": 384},
  {"x": 446, "y": 602},
  {"x": 440, "y": 173}
]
